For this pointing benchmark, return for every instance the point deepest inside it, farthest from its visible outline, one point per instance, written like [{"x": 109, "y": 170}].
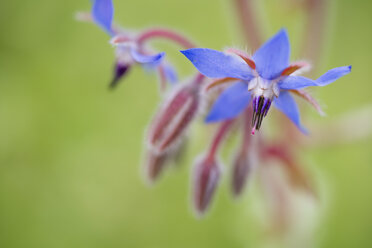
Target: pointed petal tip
[
  {"x": 160, "y": 55},
  {"x": 170, "y": 74},
  {"x": 332, "y": 75},
  {"x": 288, "y": 106},
  {"x": 273, "y": 56},
  {"x": 187, "y": 52},
  {"x": 282, "y": 31},
  {"x": 147, "y": 59},
  {"x": 103, "y": 12},
  {"x": 304, "y": 130}
]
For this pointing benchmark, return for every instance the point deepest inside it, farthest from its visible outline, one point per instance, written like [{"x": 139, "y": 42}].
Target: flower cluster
[{"x": 265, "y": 79}]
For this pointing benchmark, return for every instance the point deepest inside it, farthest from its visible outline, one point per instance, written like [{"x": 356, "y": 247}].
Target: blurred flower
[
  {"x": 297, "y": 175},
  {"x": 128, "y": 53},
  {"x": 130, "y": 47},
  {"x": 265, "y": 78}
]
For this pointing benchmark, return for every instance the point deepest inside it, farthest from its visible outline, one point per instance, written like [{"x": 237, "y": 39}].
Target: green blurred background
[{"x": 70, "y": 150}]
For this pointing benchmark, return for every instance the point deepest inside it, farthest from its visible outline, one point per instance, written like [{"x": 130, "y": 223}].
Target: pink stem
[
  {"x": 165, "y": 34},
  {"x": 248, "y": 20},
  {"x": 218, "y": 138},
  {"x": 317, "y": 10},
  {"x": 163, "y": 79},
  {"x": 199, "y": 79},
  {"x": 247, "y": 130}
]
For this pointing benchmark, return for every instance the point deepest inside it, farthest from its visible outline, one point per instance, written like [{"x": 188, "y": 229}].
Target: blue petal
[
  {"x": 230, "y": 103},
  {"x": 273, "y": 56},
  {"x": 103, "y": 12},
  {"x": 152, "y": 60},
  {"x": 215, "y": 64},
  {"x": 296, "y": 82},
  {"x": 170, "y": 74},
  {"x": 286, "y": 104},
  {"x": 332, "y": 75}
]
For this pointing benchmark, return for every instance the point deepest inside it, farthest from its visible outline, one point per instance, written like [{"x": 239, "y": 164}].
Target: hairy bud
[
  {"x": 154, "y": 165},
  {"x": 174, "y": 117},
  {"x": 241, "y": 168},
  {"x": 206, "y": 178}
]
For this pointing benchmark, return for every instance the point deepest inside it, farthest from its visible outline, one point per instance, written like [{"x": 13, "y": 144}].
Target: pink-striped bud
[
  {"x": 154, "y": 165},
  {"x": 206, "y": 178},
  {"x": 156, "y": 162},
  {"x": 174, "y": 117},
  {"x": 241, "y": 169}
]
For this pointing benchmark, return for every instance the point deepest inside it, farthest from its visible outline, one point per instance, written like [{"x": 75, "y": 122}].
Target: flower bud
[
  {"x": 174, "y": 117},
  {"x": 297, "y": 175},
  {"x": 241, "y": 168},
  {"x": 155, "y": 164},
  {"x": 206, "y": 178}
]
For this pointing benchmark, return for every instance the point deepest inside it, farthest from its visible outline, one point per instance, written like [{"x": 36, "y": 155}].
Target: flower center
[
  {"x": 123, "y": 52},
  {"x": 261, "y": 106},
  {"x": 263, "y": 93}
]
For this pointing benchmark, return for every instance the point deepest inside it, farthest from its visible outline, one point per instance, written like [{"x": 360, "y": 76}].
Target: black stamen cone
[
  {"x": 259, "y": 112},
  {"x": 119, "y": 71}
]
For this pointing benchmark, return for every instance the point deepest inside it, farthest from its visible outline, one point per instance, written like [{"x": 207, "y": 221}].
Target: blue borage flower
[
  {"x": 265, "y": 78},
  {"x": 129, "y": 51}
]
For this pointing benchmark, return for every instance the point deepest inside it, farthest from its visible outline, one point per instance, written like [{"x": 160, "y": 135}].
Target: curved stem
[{"x": 165, "y": 34}]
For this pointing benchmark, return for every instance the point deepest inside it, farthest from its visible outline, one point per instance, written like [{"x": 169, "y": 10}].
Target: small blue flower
[
  {"x": 128, "y": 51},
  {"x": 265, "y": 79}
]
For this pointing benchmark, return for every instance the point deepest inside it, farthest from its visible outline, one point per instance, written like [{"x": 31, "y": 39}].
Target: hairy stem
[
  {"x": 218, "y": 138},
  {"x": 247, "y": 130},
  {"x": 248, "y": 20},
  {"x": 315, "y": 30}
]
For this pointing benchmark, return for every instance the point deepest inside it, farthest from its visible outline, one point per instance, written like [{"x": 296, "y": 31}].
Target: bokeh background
[{"x": 71, "y": 150}]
